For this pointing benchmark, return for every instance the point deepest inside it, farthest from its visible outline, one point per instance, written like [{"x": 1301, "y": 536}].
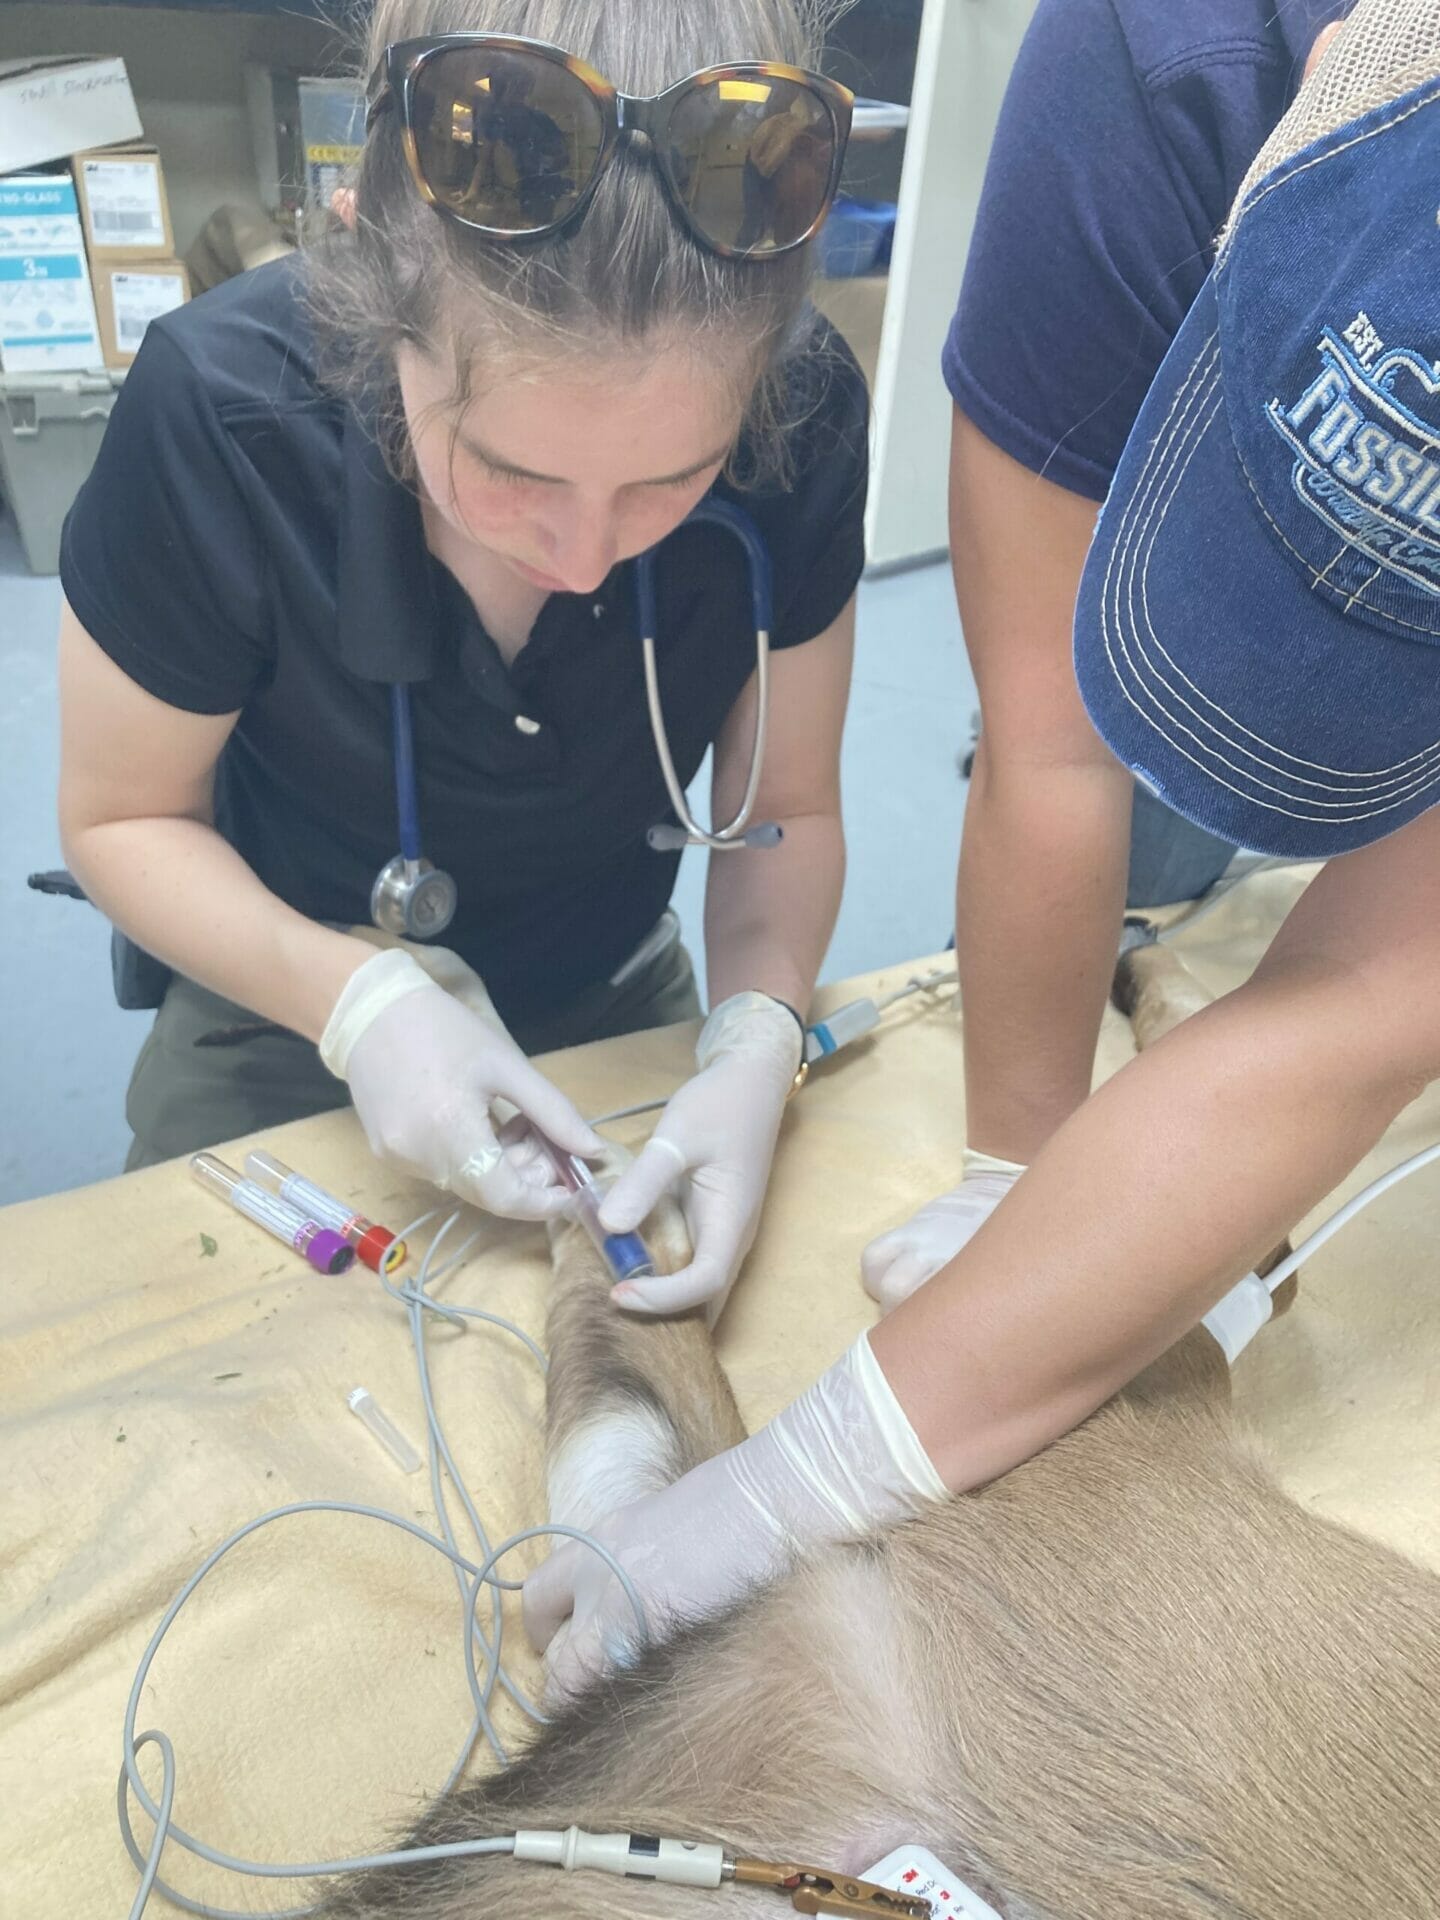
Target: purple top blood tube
[{"x": 327, "y": 1251}]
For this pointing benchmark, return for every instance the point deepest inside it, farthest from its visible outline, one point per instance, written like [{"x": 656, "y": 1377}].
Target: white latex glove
[
  {"x": 842, "y": 1460},
  {"x": 423, "y": 1071},
  {"x": 720, "y": 1130},
  {"x": 893, "y": 1266}
]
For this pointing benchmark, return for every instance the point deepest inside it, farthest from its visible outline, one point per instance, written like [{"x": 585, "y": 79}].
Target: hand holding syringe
[{"x": 625, "y": 1254}]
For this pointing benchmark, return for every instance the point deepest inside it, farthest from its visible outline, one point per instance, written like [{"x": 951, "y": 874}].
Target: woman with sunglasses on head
[{"x": 359, "y": 545}]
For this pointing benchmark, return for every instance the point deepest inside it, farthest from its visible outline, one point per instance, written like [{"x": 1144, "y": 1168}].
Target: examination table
[{"x": 156, "y": 1394}]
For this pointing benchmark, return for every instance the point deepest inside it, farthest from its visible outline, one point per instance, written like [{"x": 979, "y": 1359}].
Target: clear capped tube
[{"x": 364, "y": 1406}]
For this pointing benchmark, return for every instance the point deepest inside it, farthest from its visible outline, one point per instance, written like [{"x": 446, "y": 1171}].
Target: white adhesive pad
[{"x": 914, "y": 1870}]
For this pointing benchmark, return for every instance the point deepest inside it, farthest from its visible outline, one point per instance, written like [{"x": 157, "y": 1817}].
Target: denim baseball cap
[{"x": 1258, "y": 628}]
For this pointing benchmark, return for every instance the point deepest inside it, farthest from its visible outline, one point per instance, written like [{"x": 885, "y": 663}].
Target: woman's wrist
[
  {"x": 760, "y": 1028},
  {"x": 383, "y": 977},
  {"x": 802, "y": 1064},
  {"x": 318, "y": 963},
  {"x": 842, "y": 1459},
  {"x": 794, "y": 1014}
]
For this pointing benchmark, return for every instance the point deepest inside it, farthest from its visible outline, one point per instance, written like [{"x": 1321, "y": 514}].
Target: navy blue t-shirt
[{"x": 1126, "y": 131}]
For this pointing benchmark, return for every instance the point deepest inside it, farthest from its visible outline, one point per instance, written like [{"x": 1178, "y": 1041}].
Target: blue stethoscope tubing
[
  {"x": 402, "y": 877},
  {"x": 407, "y": 785}
]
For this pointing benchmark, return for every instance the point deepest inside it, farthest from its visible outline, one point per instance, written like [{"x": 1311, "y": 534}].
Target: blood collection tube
[
  {"x": 325, "y": 1249},
  {"x": 625, "y": 1254},
  {"x": 376, "y": 1245}
]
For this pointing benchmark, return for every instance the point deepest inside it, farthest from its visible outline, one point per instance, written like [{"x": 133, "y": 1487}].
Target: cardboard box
[
  {"x": 53, "y": 107},
  {"x": 128, "y": 298},
  {"x": 47, "y": 312},
  {"x": 123, "y": 204}
]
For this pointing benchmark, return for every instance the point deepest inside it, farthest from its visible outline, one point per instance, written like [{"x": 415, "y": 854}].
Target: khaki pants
[{"x": 209, "y": 1070}]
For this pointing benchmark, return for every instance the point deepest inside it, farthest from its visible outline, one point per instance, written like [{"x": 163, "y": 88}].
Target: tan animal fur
[{"x": 1132, "y": 1680}]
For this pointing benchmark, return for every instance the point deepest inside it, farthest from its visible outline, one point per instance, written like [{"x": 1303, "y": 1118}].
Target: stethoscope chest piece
[{"x": 413, "y": 899}]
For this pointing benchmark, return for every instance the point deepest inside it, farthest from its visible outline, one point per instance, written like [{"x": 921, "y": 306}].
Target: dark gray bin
[{"x": 51, "y": 426}]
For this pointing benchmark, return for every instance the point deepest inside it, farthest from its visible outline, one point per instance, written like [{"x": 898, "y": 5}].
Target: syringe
[
  {"x": 325, "y": 1249},
  {"x": 376, "y": 1245},
  {"x": 625, "y": 1254}
]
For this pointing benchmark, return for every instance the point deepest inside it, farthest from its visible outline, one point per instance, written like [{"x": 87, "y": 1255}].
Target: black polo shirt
[{"x": 240, "y": 545}]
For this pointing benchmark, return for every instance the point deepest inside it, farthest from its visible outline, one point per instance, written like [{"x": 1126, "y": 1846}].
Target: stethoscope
[{"x": 416, "y": 900}]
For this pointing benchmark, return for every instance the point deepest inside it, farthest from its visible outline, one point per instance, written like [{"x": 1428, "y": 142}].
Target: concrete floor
[{"x": 66, "y": 1049}]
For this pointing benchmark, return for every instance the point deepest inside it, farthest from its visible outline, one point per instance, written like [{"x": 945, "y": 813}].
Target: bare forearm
[
  {"x": 1047, "y": 827},
  {"x": 1147, "y": 1205},
  {"x": 187, "y": 897},
  {"x": 1038, "y": 909},
  {"x": 769, "y": 913}
]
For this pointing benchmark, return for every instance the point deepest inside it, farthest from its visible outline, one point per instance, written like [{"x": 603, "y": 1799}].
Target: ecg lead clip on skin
[
  {"x": 818, "y": 1890},
  {"x": 694, "y": 1863}
]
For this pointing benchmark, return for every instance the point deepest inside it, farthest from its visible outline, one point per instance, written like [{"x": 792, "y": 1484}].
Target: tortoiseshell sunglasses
[{"x": 511, "y": 136}]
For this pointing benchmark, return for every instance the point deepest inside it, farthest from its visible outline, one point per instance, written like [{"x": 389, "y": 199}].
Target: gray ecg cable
[{"x": 470, "y": 1577}]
